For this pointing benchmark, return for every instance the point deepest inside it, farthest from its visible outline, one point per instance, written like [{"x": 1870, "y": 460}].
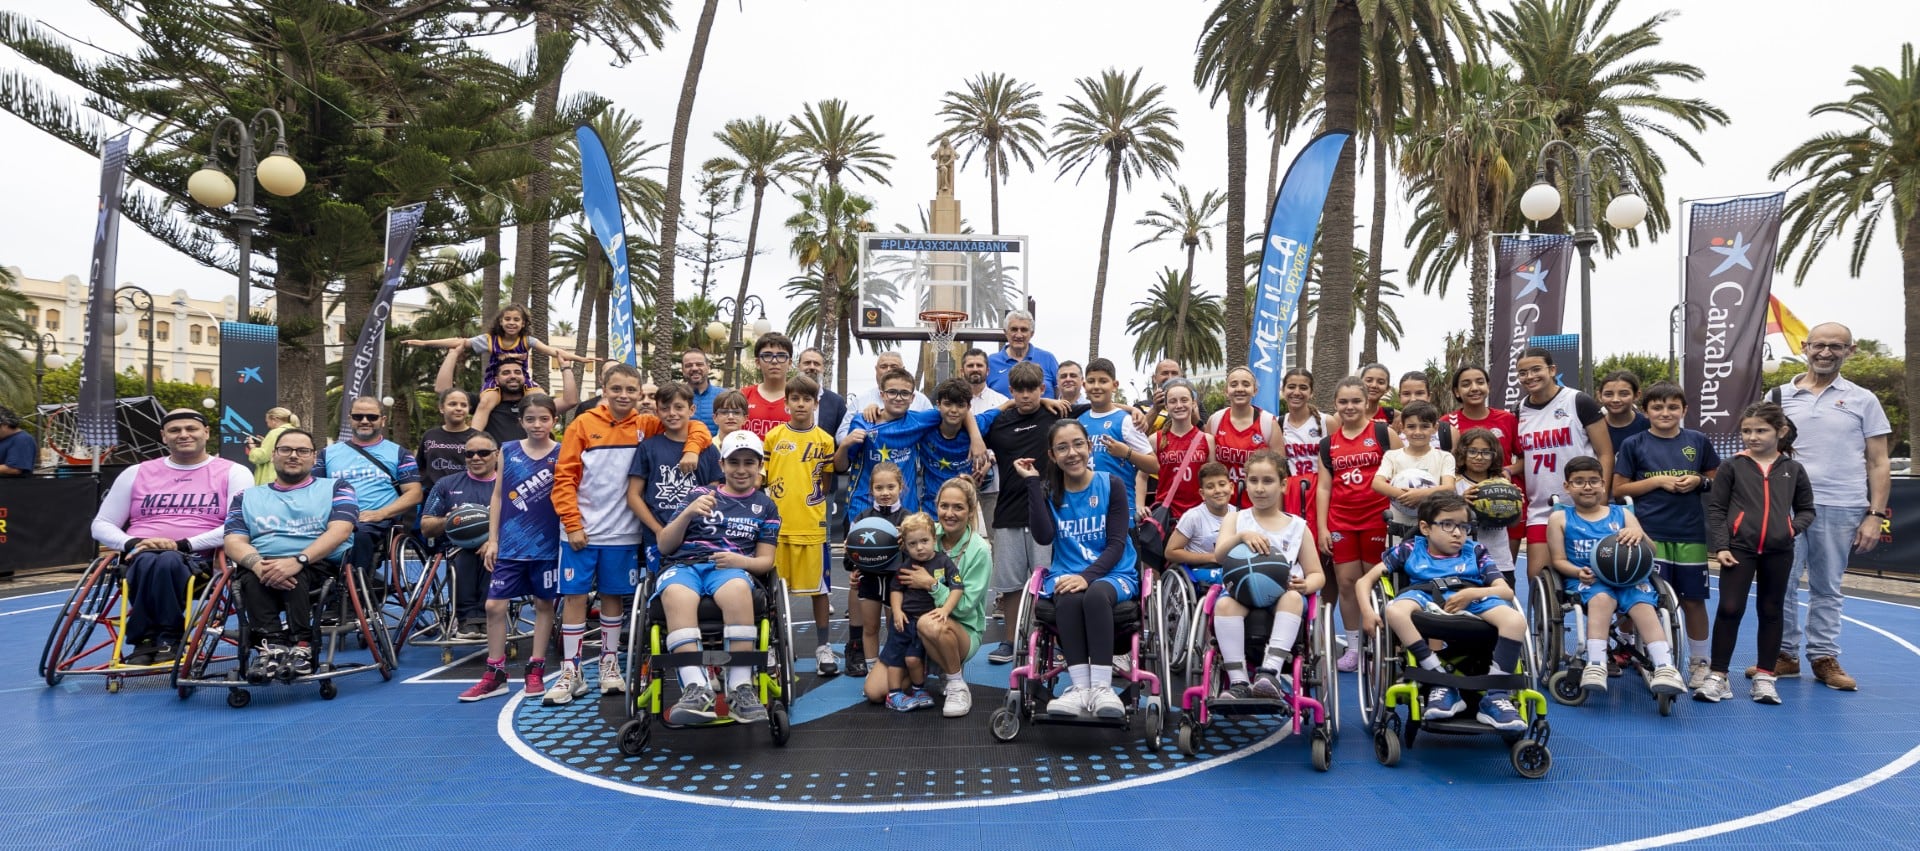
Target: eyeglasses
[
  {"x": 1479, "y": 453},
  {"x": 897, "y": 394},
  {"x": 1073, "y": 446},
  {"x": 365, "y": 418},
  {"x": 1828, "y": 347},
  {"x": 1454, "y": 526},
  {"x": 1584, "y": 484},
  {"x": 775, "y": 357},
  {"x": 292, "y": 451},
  {"x": 478, "y": 453}
]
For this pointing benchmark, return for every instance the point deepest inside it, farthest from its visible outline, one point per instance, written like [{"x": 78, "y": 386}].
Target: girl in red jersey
[
  {"x": 1376, "y": 378},
  {"x": 1240, "y": 429},
  {"x": 1182, "y": 447},
  {"x": 1472, "y": 390},
  {"x": 1347, "y": 506}
]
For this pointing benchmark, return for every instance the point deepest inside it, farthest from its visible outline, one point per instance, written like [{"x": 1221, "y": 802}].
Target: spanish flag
[{"x": 1781, "y": 321}]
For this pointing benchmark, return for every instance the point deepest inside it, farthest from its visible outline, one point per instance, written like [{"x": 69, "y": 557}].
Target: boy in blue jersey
[
  {"x": 895, "y": 438},
  {"x": 522, "y": 548},
  {"x": 472, "y": 486},
  {"x": 710, "y": 548},
  {"x": 1572, "y": 533},
  {"x": 1666, "y": 469},
  {"x": 384, "y": 476},
  {"x": 658, "y": 486},
  {"x": 1119, "y": 447}
]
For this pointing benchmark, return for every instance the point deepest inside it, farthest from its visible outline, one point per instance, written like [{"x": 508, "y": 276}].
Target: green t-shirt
[{"x": 975, "y": 560}]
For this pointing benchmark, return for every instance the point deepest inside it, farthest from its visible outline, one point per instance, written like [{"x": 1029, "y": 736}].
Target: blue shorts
[
  {"x": 902, "y": 642},
  {"x": 516, "y": 577},
  {"x": 703, "y": 579},
  {"x": 612, "y": 571},
  {"x": 1480, "y": 606},
  {"x": 1125, "y": 585},
  {"x": 1624, "y": 598}
]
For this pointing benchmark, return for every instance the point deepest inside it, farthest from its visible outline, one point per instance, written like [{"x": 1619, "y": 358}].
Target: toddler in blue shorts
[{"x": 904, "y": 654}]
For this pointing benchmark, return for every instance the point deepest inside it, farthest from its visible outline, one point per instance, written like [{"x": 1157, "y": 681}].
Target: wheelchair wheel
[
  {"x": 1177, "y": 607},
  {"x": 1564, "y": 685},
  {"x": 200, "y": 647},
  {"x": 1156, "y": 724},
  {"x": 1531, "y": 759},
  {"x": 1005, "y": 721},
  {"x": 1322, "y": 750},
  {"x": 1189, "y": 736},
  {"x": 1386, "y": 747},
  {"x": 1329, "y": 676},
  {"x": 238, "y": 698},
  {"x": 328, "y": 690},
  {"x": 67, "y": 641},
  {"x": 1666, "y": 704},
  {"x": 374, "y": 630},
  {"x": 634, "y": 734},
  {"x": 428, "y": 607},
  {"x": 779, "y": 724}
]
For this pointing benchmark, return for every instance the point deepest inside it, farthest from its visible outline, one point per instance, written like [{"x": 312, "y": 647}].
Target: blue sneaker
[
  {"x": 1497, "y": 711},
  {"x": 1442, "y": 703},
  {"x": 919, "y": 699},
  {"x": 900, "y": 701}
]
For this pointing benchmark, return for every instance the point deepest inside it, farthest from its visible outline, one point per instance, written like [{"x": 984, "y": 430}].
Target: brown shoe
[
  {"x": 1827, "y": 670},
  {"x": 1786, "y": 667}
]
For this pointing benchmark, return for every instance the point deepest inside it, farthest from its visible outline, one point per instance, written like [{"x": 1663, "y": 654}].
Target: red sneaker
[
  {"x": 536, "y": 680},
  {"x": 492, "y": 684}
]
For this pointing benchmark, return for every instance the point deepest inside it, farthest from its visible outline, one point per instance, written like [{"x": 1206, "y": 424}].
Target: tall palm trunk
[
  {"x": 1178, "y": 348},
  {"x": 993, "y": 182},
  {"x": 600, "y": 322},
  {"x": 530, "y": 274},
  {"x": 1330, "y": 358},
  {"x": 490, "y": 277},
  {"x": 1106, "y": 241},
  {"x": 1235, "y": 303},
  {"x": 1376, "y": 246},
  {"x": 830, "y": 282},
  {"x": 1910, "y": 279},
  {"x": 746, "y": 274},
  {"x": 1273, "y": 173},
  {"x": 591, "y": 281},
  {"x": 663, "y": 321},
  {"x": 1482, "y": 283}
]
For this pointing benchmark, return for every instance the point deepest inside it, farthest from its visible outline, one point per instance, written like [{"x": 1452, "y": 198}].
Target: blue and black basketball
[
  {"x": 873, "y": 547},
  {"x": 1255, "y": 581},
  {"x": 467, "y": 527},
  {"x": 1620, "y": 565}
]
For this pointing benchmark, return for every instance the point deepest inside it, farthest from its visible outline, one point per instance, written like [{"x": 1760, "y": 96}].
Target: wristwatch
[
  {"x": 301, "y": 558},
  {"x": 1884, "y": 515}
]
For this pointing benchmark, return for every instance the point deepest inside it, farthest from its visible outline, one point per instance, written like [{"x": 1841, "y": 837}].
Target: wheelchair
[
  {"x": 649, "y": 666},
  {"x": 1390, "y": 681},
  {"x": 1559, "y": 620},
  {"x": 347, "y": 608},
  {"x": 431, "y": 617},
  {"x": 1314, "y": 703},
  {"x": 1140, "y": 632},
  {"x": 397, "y": 573},
  {"x": 1183, "y": 586},
  {"x": 99, "y": 604}
]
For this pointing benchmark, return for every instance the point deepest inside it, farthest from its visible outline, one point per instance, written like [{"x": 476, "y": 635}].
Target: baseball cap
[{"x": 740, "y": 440}]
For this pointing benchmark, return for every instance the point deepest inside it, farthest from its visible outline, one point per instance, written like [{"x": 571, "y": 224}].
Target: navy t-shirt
[
  {"x": 737, "y": 524},
  {"x": 1679, "y": 518},
  {"x": 1617, "y": 435},
  {"x": 457, "y": 490},
  {"x": 663, "y": 487},
  {"x": 18, "y": 451}
]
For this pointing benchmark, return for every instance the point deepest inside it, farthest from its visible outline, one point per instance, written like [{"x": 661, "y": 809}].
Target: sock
[
  {"x": 1279, "y": 660},
  {"x": 739, "y": 675},
  {"x": 610, "y": 635},
  {"x": 1423, "y": 655},
  {"x": 955, "y": 677},
  {"x": 1596, "y": 651},
  {"x": 1231, "y": 634},
  {"x": 499, "y": 664},
  {"x": 1506, "y": 656},
  {"x": 1100, "y": 676},
  {"x": 822, "y": 635},
  {"x": 570, "y": 635},
  {"x": 1353, "y": 635},
  {"x": 1660, "y": 653},
  {"x": 1236, "y": 672},
  {"x": 1080, "y": 674},
  {"x": 1286, "y": 629},
  {"x": 536, "y": 664},
  {"x": 854, "y": 633},
  {"x": 1699, "y": 648},
  {"x": 685, "y": 640}
]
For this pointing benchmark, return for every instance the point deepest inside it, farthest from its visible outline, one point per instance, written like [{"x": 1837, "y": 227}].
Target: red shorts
[
  {"x": 1362, "y": 545},
  {"x": 1536, "y": 533}
]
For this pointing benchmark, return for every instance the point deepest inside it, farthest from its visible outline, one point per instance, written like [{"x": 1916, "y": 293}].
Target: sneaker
[
  {"x": 1071, "y": 704},
  {"x": 611, "y": 682},
  {"x": 1827, "y": 670},
  {"x": 695, "y": 705},
  {"x": 1714, "y": 690},
  {"x": 824, "y": 662},
  {"x": 959, "y": 700},
  {"x": 743, "y": 705},
  {"x": 472, "y": 631},
  {"x": 300, "y": 660},
  {"x": 1105, "y": 704},
  {"x": 1270, "y": 685},
  {"x": 1697, "y": 672},
  {"x": 569, "y": 686},
  {"x": 492, "y": 684},
  {"x": 1786, "y": 667},
  {"x": 1001, "y": 655},
  {"x": 265, "y": 664},
  {"x": 1666, "y": 680},
  {"x": 1238, "y": 691},
  {"x": 1442, "y": 703},
  {"x": 165, "y": 652},
  {"x": 536, "y": 680},
  {"x": 1497, "y": 711},
  {"x": 1764, "y": 691},
  {"x": 142, "y": 653},
  {"x": 900, "y": 701},
  {"x": 1350, "y": 660},
  {"x": 1122, "y": 666},
  {"x": 856, "y": 664},
  {"x": 1594, "y": 677}
]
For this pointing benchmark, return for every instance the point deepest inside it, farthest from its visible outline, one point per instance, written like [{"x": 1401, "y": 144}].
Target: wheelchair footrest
[
  {"x": 1463, "y": 725},
  {"x": 1249, "y": 706},
  {"x": 1486, "y": 682},
  {"x": 714, "y": 658}
]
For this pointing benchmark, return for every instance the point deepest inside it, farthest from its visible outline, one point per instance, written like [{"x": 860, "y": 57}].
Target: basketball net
[{"x": 942, "y": 327}]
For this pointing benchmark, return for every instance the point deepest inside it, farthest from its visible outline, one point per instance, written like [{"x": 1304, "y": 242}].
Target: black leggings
[
  {"x": 1085, "y": 621},
  {"x": 1772, "y": 569}
]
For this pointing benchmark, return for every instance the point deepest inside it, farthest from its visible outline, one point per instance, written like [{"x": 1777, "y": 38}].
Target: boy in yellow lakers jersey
[{"x": 800, "y": 480}]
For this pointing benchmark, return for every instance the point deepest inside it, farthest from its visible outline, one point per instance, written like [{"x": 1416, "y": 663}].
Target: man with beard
[{"x": 385, "y": 478}]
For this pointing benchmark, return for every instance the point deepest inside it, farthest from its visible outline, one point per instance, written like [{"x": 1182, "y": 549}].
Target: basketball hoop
[{"x": 943, "y": 326}]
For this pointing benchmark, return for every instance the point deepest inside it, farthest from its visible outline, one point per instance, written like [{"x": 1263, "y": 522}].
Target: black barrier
[
  {"x": 1899, "y": 550},
  {"x": 44, "y": 522}
]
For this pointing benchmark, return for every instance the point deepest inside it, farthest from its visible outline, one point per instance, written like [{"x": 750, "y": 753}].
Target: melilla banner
[
  {"x": 1730, "y": 252},
  {"x": 1286, "y": 258},
  {"x": 1529, "y": 300},
  {"x": 402, "y": 224},
  {"x": 601, "y": 200}
]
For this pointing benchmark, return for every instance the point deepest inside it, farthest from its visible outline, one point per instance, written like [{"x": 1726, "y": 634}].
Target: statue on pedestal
[{"x": 943, "y": 158}]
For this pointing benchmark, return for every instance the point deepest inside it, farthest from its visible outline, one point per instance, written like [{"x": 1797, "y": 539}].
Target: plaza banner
[
  {"x": 249, "y": 384},
  {"x": 1729, "y": 278},
  {"x": 601, "y": 200},
  {"x": 96, "y": 420},
  {"x": 1286, "y": 258},
  {"x": 1530, "y": 275},
  {"x": 402, "y": 224}
]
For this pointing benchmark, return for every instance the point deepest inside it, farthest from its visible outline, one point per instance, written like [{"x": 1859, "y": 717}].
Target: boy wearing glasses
[
  {"x": 473, "y": 486},
  {"x": 1446, "y": 569},
  {"x": 767, "y": 401}
]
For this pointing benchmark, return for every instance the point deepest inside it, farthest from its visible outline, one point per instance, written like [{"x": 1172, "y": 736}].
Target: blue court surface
[{"x": 402, "y": 764}]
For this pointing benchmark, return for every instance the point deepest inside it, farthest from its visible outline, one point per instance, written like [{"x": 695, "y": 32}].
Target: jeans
[{"x": 1821, "y": 555}]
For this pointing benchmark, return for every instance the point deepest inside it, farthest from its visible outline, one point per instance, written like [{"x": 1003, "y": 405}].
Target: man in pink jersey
[{"x": 165, "y": 516}]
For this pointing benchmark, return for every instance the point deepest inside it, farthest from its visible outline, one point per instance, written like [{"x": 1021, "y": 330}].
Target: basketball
[
  {"x": 467, "y": 527},
  {"x": 1497, "y": 504},
  {"x": 1620, "y": 565},
  {"x": 1255, "y": 581},
  {"x": 1404, "y": 514},
  {"x": 873, "y": 546}
]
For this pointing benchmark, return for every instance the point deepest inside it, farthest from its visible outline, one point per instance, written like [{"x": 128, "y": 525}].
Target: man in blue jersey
[
  {"x": 1020, "y": 349},
  {"x": 384, "y": 476},
  {"x": 698, "y": 374},
  {"x": 1119, "y": 446},
  {"x": 285, "y": 538},
  {"x": 472, "y": 486}
]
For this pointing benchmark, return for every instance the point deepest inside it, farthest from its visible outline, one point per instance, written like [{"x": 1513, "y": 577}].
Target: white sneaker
[
  {"x": 1666, "y": 681},
  {"x": 1697, "y": 672},
  {"x": 1106, "y": 704},
  {"x": 1764, "y": 690},
  {"x": 1594, "y": 677},
  {"x": 959, "y": 700},
  {"x": 1071, "y": 704},
  {"x": 611, "y": 682},
  {"x": 824, "y": 662},
  {"x": 1714, "y": 690},
  {"x": 566, "y": 687}
]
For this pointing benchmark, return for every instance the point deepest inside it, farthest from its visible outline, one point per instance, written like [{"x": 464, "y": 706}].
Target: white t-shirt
[
  {"x": 1437, "y": 464},
  {"x": 1285, "y": 542},
  {"x": 1303, "y": 444},
  {"x": 1202, "y": 528}
]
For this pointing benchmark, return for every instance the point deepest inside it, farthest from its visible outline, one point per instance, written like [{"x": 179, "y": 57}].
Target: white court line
[
  {"x": 35, "y": 609},
  {"x": 68, "y": 590},
  {"x": 422, "y": 677}
]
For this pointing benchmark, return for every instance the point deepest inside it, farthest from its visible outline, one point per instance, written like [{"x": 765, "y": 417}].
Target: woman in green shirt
[
  {"x": 260, "y": 450},
  {"x": 951, "y": 641}
]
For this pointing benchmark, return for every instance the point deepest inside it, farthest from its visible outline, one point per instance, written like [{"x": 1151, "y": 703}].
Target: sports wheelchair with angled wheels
[{"x": 89, "y": 635}]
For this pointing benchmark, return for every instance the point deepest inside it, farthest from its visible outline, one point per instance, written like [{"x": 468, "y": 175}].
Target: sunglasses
[
  {"x": 478, "y": 453},
  {"x": 366, "y": 418}
]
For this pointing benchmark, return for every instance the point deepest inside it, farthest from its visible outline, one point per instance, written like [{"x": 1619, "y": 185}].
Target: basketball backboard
[{"x": 902, "y": 274}]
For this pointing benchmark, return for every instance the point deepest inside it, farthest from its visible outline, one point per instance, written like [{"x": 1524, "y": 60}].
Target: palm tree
[
  {"x": 1192, "y": 224},
  {"x": 830, "y": 140},
  {"x": 669, "y": 229},
  {"x": 1154, "y": 336},
  {"x": 1853, "y": 176},
  {"x": 15, "y": 366},
  {"x": 997, "y": 116},
  {"x": 1127, "y": 130},
  {"x": 825, "y": 238},
  {"x": 1606, "y": 92},
  {"x": 761, "y": 156}
]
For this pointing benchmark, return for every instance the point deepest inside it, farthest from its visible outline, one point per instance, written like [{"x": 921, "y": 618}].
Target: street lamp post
[
  {"x": 735, "y": 335},
  {"x": 278, "y": 173},
  {"x": 137, "y": 298},
  {"x": 1624, "y": 212},
  {"x": 41, "y": 360}
]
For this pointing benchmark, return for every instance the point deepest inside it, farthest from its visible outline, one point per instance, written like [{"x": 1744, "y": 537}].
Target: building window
[
  {"x": 213, "y": 335},
  {"x": 166, "y": 331},
  {"x": 157, "y": 373},
  {"x": 193, "y": 334},
  {"x": 33, "y": 316},
  {"x": 145, "y": 329},
  {"x": 53, "y": 319},
  {"x": 203, "y": 377}
]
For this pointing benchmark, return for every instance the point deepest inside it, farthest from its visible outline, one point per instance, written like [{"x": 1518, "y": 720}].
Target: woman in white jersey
[
  {"x": 1557, "y": 425},
  {"x": 1302, "y": 427}
]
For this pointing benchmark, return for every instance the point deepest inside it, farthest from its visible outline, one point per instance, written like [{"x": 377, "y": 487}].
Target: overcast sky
[{"x": 1767, "y": 63}]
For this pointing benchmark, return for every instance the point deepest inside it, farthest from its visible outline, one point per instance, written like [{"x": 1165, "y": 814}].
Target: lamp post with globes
[
  {"x": 1624, "y": 212},
  {"x": 278, "y": 174},
  {"x": 42, "y": 360},
  {"x": 136, "y": 298},
  {"x": 736, "y": 336}
]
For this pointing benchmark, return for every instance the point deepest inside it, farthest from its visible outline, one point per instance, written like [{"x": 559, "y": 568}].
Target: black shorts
[{"x": 872, "y": 586}]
